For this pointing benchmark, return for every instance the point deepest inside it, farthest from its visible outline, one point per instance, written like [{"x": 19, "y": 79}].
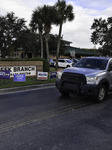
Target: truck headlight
[
  {"x": 91, "y": 80},
  {"x": 59, "y": 74}
]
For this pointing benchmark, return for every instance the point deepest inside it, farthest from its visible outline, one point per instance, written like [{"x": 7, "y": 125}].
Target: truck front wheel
[
  {"x": 64, "y": 92},
  {"x": 101, "y": 93}
]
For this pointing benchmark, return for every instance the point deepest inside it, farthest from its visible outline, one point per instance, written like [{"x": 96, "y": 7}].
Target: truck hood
[{"x": 85, "y": 71}]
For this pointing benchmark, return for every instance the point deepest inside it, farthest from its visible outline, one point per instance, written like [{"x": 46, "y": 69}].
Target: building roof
[{"x": 80, "y": 51}]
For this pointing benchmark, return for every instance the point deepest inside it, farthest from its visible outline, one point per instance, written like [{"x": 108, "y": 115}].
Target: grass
[
  {"x": 5, "y": 83},
  {"x": 52, "y": 69}
]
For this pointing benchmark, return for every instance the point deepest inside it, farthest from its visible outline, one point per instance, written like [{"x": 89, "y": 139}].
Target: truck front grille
[{"x": 73, "y": 78}]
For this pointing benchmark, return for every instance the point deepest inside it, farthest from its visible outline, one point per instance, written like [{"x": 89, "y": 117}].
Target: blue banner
[
  {"x": 4, "y": 74},
  {"x": 53, "y": 75},
  {"x": 19, "y": 77}
]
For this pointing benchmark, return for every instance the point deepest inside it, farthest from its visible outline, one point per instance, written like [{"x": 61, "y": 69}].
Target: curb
[{"x": 14, "y": 89}]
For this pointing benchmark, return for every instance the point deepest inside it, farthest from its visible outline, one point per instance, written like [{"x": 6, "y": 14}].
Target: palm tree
[
  {"x": 42, "y": 19},
  {"x": 64, "y": 13},
  {"x": 48, "y": 13},
  {"x": 37, "y": 24}
]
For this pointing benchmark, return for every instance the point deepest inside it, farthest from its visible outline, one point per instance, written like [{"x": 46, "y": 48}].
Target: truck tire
[
  {"x": 102, "y": 92},
  {"x": 64, "y": 92}
]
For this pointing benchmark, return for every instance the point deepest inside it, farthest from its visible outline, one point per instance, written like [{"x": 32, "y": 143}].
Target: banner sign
[
  {"x": 28, "y": 70},
  {"x": 42, "y": 75},
  {"x": 19, "y": 77},
  {"x": 4, "y": 74},
  {"x": 52, "y": 75}
]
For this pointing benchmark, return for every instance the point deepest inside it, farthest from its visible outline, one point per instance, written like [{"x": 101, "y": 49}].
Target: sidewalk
[{"x": 22, "y": 88}]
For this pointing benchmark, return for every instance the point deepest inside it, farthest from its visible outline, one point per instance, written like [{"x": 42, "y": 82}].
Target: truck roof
[{"x": 107, "y": 58}]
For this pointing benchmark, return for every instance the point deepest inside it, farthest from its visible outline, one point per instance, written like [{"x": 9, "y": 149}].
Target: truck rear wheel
[{"x": 101, "y": 93}]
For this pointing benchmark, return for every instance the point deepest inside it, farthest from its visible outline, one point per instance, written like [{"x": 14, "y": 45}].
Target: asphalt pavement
[{"x": 42, "y": 119}]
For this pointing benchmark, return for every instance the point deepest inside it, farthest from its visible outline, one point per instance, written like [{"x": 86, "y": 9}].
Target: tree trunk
[
  {"x": 41, "y": 40},
  {"x": 58, "y": 45},
  {"x": 47, "y": 46}
]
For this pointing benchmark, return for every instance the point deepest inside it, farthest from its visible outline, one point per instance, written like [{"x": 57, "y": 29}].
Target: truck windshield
[{"x": 98, "y": 64}]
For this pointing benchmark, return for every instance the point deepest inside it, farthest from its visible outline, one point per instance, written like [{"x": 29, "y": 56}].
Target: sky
[{"x": 79, "y": 30}]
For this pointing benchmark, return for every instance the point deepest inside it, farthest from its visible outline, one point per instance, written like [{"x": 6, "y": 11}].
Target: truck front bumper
[{"x": 86, "y": 89}]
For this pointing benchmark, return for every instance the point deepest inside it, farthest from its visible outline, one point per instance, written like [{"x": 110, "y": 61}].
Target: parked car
[
  {"x": 75, "y": 60},
  {"x": 91, "y": 76},
  {"x": 51, "y": 62},
  {"x": 64, "y": 63}
]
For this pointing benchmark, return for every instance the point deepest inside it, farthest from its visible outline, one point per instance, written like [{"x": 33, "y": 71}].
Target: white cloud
[{"x": 17, "y": 7}]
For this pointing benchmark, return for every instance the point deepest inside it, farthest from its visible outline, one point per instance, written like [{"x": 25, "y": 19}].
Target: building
[
  {"x": 67, "y": 49},
  {"x": 79, "y": 52}
]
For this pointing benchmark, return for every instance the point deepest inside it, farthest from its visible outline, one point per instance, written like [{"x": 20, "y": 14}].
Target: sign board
[
  {"x": 19, "y": 77},
  {"x": 42, "y": 75},
  {"x": 52, "y": 75},
  {"x": 72, "y": 53},
  {"x": 4, "y": 74},
  {"x": 27, "y": 70}
]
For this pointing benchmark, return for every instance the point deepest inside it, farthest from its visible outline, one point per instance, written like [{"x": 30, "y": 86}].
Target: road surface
[{"x": 41, "y": 119}]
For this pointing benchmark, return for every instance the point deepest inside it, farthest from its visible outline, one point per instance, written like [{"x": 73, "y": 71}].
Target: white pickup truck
[{"x": 90, "y": 76}]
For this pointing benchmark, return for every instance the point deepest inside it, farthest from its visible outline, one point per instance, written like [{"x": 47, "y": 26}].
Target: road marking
[{"x": 39, "y": 117}]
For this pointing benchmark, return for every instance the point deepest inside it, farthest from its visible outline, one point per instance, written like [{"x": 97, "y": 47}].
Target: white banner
[
  {"x": 42, "y": 75},
  {"x": 27, "y": 70}
]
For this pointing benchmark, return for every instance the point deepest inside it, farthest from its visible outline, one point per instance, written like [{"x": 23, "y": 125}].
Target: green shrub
[
  {"x": 45, "y": 63},
  {"x": 46, "y": 66}
]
